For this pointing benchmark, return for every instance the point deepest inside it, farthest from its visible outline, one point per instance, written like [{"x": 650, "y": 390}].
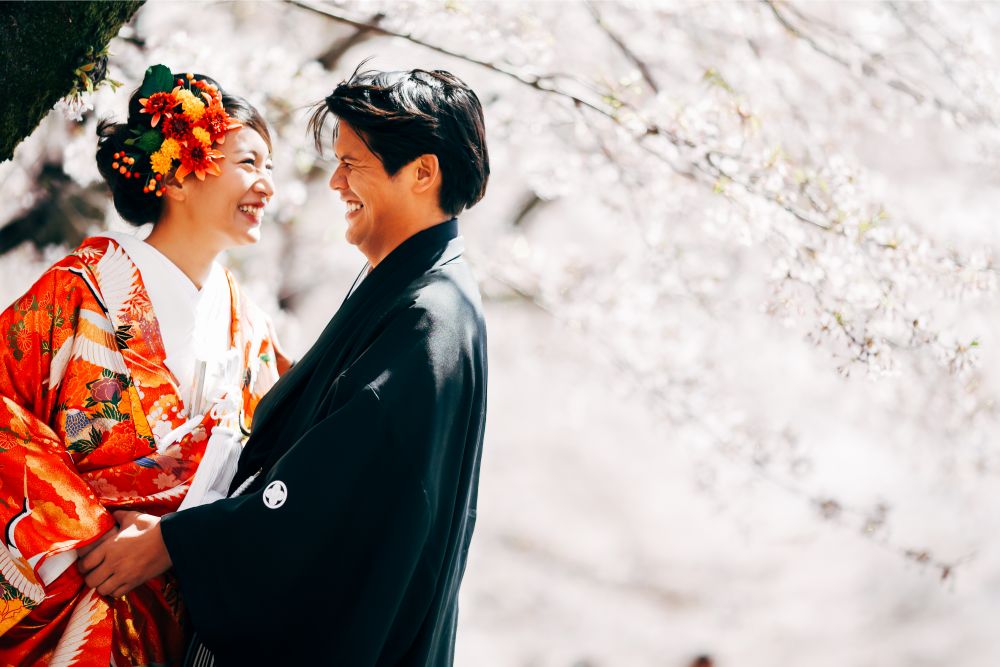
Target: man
[{"x": 346, "y": 538}]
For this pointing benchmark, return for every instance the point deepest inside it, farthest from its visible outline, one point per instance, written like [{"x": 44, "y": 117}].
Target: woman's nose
[{"x": 264, "y": 186}]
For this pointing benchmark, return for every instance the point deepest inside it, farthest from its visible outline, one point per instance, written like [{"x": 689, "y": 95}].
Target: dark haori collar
[
  {"x": 410, "y": 259},
  {"x": 419, "y": 245}
]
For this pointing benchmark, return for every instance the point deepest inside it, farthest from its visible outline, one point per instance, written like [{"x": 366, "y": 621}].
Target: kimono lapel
[
  {"x": 373, "y": 297},
  {"x": 345, "y": 336},
  {"x": 153, "y": 387},
  {"x": 246, "y": 334}
]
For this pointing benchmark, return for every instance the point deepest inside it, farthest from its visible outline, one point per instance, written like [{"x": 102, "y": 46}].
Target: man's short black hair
[{"x": 403, "y": 115}]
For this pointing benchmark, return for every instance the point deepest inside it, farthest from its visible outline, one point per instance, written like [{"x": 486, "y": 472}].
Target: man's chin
[{"x": 351, "y": 235}]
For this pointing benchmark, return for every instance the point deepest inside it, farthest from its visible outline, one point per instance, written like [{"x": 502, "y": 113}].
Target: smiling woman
[
  {"x": 224, "y": 211},
  {"x": 130, "y": 374}
]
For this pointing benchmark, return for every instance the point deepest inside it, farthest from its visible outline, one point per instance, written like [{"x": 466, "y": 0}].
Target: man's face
[{"x": 374, "y": 199}]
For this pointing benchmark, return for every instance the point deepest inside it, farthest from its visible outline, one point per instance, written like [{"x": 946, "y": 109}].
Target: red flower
[
  {"x": 198, "y": 159},
  {"x": 178, "y": 127},
  {"x": 122, "y": 432},
  {"x": 158, "y": 104},
  {"x": 106, "y": 390},
  {"x": 218, "y": 122}
]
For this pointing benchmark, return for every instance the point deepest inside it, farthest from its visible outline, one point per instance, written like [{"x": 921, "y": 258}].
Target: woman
[{"x": 129, "y": 374}]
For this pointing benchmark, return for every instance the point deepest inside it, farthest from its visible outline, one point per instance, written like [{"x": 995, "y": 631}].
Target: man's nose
[{"x": 338, "y": 181}]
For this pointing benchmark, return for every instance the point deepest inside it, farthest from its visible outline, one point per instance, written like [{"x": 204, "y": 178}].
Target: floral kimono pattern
[{"x": 87, "y": 407}]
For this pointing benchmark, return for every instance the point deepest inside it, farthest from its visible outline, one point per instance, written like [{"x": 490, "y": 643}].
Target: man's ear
[{"x": 426, "y": 173}]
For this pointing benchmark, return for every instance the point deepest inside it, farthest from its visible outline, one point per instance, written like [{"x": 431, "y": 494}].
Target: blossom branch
[{"x": 647, "y": 74}]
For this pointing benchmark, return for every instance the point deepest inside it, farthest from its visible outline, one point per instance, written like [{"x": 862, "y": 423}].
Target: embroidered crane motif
[{"x": 18, "y": 571}]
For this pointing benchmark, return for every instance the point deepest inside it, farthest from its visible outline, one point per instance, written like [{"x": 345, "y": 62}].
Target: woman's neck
[{"x": 193, "y": 257}]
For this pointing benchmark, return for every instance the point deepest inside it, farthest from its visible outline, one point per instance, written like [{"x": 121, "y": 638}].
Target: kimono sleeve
[{"x": 46, "y": 508}]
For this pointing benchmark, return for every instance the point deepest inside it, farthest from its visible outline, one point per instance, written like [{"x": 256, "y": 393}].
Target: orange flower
[
  {"x": 218, "y": 122},
  {"x": 23, "y": 337},
  {"x": 198, "y": 159},
  {"x": 177, "y": 126},
  {"x": 158, "y": 104}
]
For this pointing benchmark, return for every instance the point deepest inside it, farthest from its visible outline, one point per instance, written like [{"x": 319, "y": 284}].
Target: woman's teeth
[
  {"x": 353, "y": 206},
  {"x": 253, "y": 211}
]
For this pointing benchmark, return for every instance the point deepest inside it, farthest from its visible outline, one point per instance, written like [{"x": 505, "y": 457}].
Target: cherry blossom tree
[{"x": 680, "y": 183}]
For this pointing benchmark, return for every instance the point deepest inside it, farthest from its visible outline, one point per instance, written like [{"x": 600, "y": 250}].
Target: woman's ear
[
  {"x": 427, "y": 173},
  {"x": 174, "y": 189}
]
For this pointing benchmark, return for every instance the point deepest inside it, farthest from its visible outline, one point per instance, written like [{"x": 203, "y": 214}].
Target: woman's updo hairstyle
[{"x": 133, "y": 204}]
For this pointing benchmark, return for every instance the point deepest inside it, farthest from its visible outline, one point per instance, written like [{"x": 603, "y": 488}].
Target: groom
[{"x": 346, "y": 541}]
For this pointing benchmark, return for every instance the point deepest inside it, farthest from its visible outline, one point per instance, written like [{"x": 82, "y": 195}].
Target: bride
[{"x": 129, "y": 374}]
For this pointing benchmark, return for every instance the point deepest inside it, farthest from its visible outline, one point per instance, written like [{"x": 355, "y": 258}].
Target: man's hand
[
  {"x": 126, "y": 558},
  {"x": 82, "y": 552}
]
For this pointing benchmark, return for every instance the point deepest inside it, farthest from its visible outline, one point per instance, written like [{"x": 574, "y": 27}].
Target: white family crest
[{"x": 275, "y": 494}]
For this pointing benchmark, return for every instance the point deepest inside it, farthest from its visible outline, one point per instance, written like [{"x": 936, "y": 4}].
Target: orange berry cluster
[
  {"x": 154, "y": 186},
  {"x": 203, "y": 85},
  {"x": 123, "y": 165}
]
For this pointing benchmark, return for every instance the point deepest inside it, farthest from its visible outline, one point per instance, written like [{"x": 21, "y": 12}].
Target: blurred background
[{"x": 738, "y": 267}]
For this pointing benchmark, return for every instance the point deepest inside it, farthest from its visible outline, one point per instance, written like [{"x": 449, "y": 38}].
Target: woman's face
[{"x": 227, "y": 210}]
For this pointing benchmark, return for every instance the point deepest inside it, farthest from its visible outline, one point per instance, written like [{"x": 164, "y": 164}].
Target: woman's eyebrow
[{"x": 256, "y": 154}]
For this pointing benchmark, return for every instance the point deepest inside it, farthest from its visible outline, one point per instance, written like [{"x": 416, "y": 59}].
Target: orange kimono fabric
[{"x": 85, "y": 398}]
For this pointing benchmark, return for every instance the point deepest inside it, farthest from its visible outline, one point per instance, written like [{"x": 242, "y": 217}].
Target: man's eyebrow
[{"x": 345, "y": 157}]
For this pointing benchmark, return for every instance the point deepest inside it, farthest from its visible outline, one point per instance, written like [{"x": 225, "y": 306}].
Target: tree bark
[{"x": 42, "y": 43}]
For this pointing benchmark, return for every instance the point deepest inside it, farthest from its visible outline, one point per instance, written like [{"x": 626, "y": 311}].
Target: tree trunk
[{"x": 42, "y": 43}]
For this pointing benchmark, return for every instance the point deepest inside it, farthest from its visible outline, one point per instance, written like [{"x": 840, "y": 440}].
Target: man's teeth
[
  {"x": 255, "y": 211},
  {"x": 353, "y": 206}
]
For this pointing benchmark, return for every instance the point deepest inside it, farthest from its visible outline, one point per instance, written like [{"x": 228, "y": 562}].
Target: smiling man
[{"x": 346, "y": 537}]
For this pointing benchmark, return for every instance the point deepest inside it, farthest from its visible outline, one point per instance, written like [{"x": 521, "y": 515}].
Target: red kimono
[{"x": 85, "y": 398}]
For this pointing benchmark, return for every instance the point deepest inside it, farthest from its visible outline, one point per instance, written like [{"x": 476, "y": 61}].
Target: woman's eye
[{"x": 249, "y": 160}]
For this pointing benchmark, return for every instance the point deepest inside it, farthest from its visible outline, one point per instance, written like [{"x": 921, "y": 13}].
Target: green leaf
[
  {"x": 84, "y": 446},
  {"x": 149, "y": 142},
  {"x": 158, "y": 79},
  {"x": 8, "y": 592},
  {"x": 112, "y": 412}
]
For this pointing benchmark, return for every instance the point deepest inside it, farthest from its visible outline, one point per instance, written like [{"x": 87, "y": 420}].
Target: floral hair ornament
[{"x": 186, "y": 119}]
